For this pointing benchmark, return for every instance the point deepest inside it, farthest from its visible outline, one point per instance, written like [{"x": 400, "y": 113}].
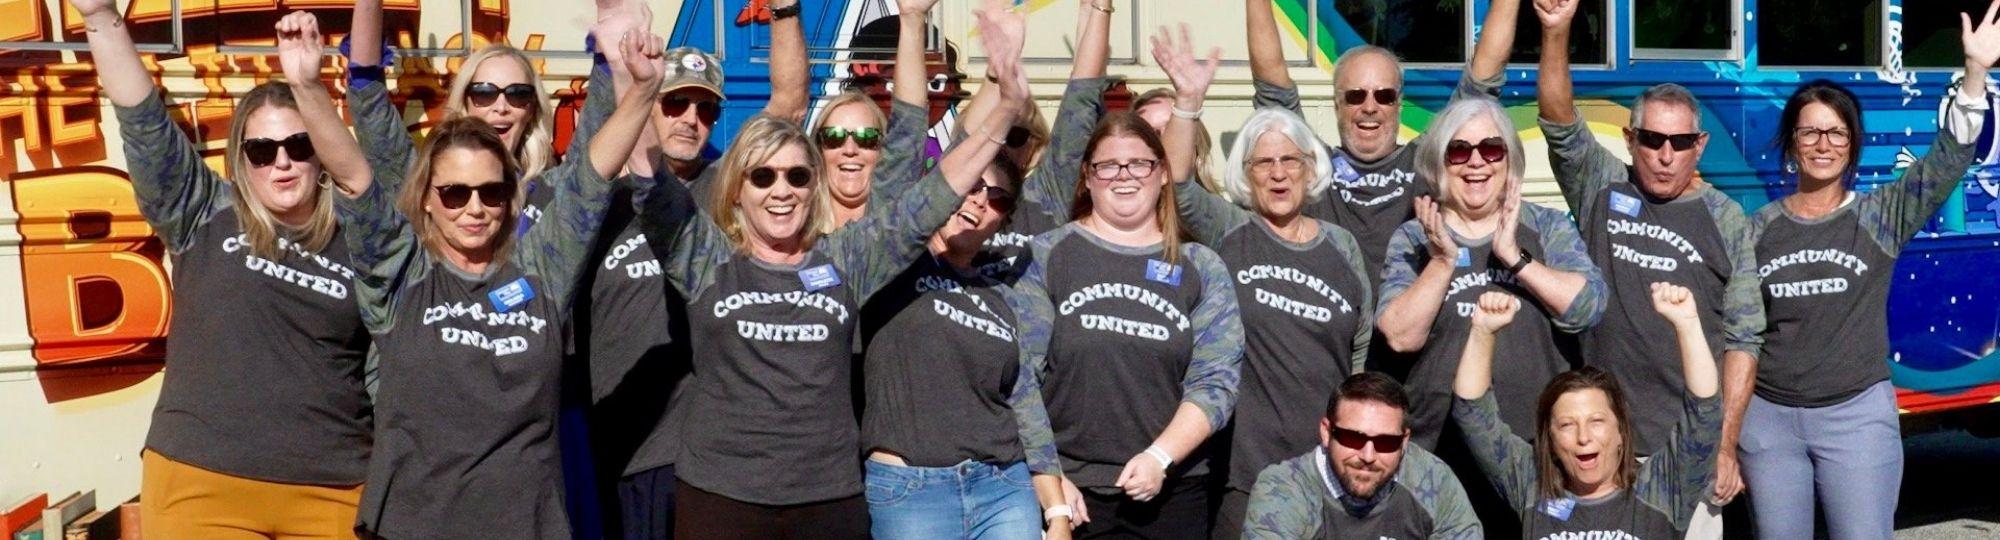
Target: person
[
  {"x": 1582, "y": 478},
  {"x": 1822, "y": 425},
  {"x": 1654, "y": 221},
  {"x": 1377, "y": 179},
  {"x": 769, "y": 449},
  {"x": 1307, "y": 310},
  {"x": 1137, "y": 321},
  {"x": 1362, "y": 480},
  {"x": 1156, "y": 106},
  {"x": 464, "y": 316},
  {"x": 270, "y": 331}
]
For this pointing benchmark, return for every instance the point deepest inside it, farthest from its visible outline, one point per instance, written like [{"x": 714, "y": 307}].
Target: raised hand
[
  {"x": 94, "y": 7},
  {"x": 641, "y": 54},
  {"x": 1506, "y": 244},
  {"x": 1442, "y": 247},
  {"x": 1555, "y": 13},
  {"x": 1191, "y": 77},
  {"x": 1981, "y": 41},
  {"x": 1003, "y": 33},
  {"x": 1675, "y": 303},
  {"x": 914, "y": 7},
  {"x": 1496, "y": 310},
  {"x": 300, "y": 47}
]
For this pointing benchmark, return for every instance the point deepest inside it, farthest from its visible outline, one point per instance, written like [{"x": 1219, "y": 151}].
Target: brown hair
[
  {"x": 470, "y": 134},
  {"x": 760, "y": 138},
  {"x": 537, "y": 149},
  {"x": 1125, "y": 124},
  {"x": 1549, "y": 471},
  {"x": 1370, "y": 386},
  {"x": 261, "y": 230},
  {"x": 1203, "y": 153}
]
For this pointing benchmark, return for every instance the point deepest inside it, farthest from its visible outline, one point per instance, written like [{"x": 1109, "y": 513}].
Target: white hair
[
  {"x": 1430, "y": 153},
  {"x": 1236, "y": 178}
]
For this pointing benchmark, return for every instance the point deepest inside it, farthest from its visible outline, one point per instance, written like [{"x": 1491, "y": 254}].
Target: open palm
[
  {"x": 1191, "y": 77},
  {"x": 1982, "y": 42}
]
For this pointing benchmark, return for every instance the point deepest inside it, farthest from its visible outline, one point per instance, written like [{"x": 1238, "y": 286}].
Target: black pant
[
  {"x": 1180, "y": 511},
  {"x": 703, "y": 515},
  {"x": 646, "y": 504}
]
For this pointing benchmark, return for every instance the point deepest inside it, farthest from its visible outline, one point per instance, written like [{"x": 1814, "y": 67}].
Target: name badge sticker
[
  {"x": 1162, "y": 272},
  {"x": 819, "y": 278},
  {"x": 511, "y": 295},
  {"x": 1625, "y": 204},
  {"x": 1464, "y": 257},
  {"x": 1344, "y": 170},
  {"x": 1559, "y": 508}
]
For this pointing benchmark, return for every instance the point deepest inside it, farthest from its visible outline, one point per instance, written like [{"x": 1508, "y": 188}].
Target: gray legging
[{"x": 1851, "y": 452}]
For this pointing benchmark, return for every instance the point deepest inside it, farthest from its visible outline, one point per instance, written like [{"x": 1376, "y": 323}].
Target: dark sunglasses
[
  {"x": 1654, "y": 139},
  {"x": 482, "y": 94},
  {"x": 764, "y": 177},
  {"x": 264, "y": 152},
  {"x": 1018, "y": 137},
  {"x": 1493, "y": 149},
  {"x": 1357, "y": 96},
  {"x": 1355, "y": 440},
  {"x": 707, "y": 110},
  {"x": 494, "y": 195},
  {"x": 832, "y": 137},
  {"x": 997, "y": 197}
]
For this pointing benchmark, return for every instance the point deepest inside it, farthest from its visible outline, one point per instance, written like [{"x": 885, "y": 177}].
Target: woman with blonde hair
[
  {"x": 465, "y": 313},
  {"x": 268, "y": 331}
]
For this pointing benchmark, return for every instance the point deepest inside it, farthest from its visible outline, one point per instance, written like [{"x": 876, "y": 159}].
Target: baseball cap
[{"x": 690, "y": 67}]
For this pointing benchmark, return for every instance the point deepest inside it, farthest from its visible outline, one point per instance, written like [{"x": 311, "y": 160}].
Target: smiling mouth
[
  {"x": 850, "y": 167},
  {"x": 781, "y": 210},
  {"x": 503, "y": 128},
  {"x": 1587, "y": 461},
  {"x": 969, "y": 219},
  {"x": 1368, "y": 126},
  {"x": 1124, "y": 190}
]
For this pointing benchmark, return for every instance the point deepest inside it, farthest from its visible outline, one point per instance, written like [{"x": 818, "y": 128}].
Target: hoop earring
[
  {"x": 325, "y": 180},
  {"x": 1791, "y": 167}
]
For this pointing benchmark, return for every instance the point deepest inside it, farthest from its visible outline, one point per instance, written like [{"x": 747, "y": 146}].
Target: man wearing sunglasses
[
  {"x": 690, "y": 105},
  {"x": 1654, "y": 221},
  {"x": 1376, "y": 180},
  {"x": 1365, "y": 481}
]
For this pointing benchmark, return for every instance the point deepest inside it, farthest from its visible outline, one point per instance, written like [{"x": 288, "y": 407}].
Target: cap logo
[{"x": 695, "y": 63}]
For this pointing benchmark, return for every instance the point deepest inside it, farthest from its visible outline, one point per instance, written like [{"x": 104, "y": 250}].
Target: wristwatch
[
  {"x": 787, "y": 11},
  {"x": 1526, "y": 258}
]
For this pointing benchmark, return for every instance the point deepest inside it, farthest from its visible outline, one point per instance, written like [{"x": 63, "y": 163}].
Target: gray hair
[
  {"x": 1236, "y": 179},
  {"x": 1668, "y": 93},
  {"x": 1430, "y": 152},
  {"x": 1345, "y": 60}
]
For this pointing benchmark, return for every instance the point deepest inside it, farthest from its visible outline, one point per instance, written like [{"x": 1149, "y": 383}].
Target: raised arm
[
  {"x": 1208, "y": 390},
  {"x": 1553, "y": 91},
  {"x": 790, "y": 74},
  {"x": 1496, "y": 40},
  {"x": 1567, "y": 283},
  {"x": 913, "y": 30},
  {"x": 1506, "y": 459},
  {"x": 1679, "y": 476},
  {"x": 378, "y": 127},
  {"x": 116, "y": 60},
  {"x": 1051, "y": 185},
  {"x": 1093, "y": 39},
  {"x": 1909, "y": 203},
  {"x": 1191, "y": 79},
  {"x": 1583, "y": 167},
  {"x": 1418, "y": 269},
  {"x": 300, "y": 50},
  {"x": 1267, "y": 52},
  {"x": 364, "y": 34}
]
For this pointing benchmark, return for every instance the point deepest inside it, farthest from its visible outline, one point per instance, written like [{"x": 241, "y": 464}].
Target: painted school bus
[{"x": 85, "y": 301}]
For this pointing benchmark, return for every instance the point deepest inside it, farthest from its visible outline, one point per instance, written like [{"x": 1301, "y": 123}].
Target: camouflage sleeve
[
  {"x": 177, "y": 192},
  {"x": 1272, "y": 96},
  {"x": 872, "y": 251},
  {"x": 1053, "y": 182},
  {"x": 902, "y": 153},
  {"x": 1038, "y": 438},
  {"x": 371, "y": 371},
  {"x": 1284, "y": 504},
  {"x": 1364, "y": 307},
  {"x": 1902, "y": 208},
  {"x": 557, "y": 247},
  {"x": 598, "y": 103},
  {"x": 1677, "y": 478},
  {"x": 385, "y": 140},
  {"x": 1441, "y": 494},
  {"x": 683, "y": 238},
  {"x": 1470, "y": 88},
  {"x": 384, "y": 249},
  {"x": 1408, "y": 252},
  {"x": 1583, "y": 167},
  {"x": 1205, "y": 215},
  {"x": 1742, "y": 304},
  {"x": 1216, "y": 368},
  {"x": 1564, "y": 249},
  {"x": 1507, "y": 460}
]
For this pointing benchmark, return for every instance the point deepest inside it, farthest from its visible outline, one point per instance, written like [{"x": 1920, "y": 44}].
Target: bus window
[
  {"x": 1409, "y": 27},
  {"x": 1829, "y": 33},
  {"x": 1686, "y": 29},
  {"x": 1589, "y": 35},
  {"x": 1930, "y": 32}
]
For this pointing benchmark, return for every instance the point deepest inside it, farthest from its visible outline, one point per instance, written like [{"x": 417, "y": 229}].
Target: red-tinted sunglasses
[
  {"x": 707, "y": 110},
  {"x": 1493, "y": 149},
  {"x": 1355, "y": 440}
]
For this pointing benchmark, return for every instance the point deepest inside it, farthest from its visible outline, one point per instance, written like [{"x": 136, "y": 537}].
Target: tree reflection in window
[
  {"x": 1682, "y": 24},
  {"x": 1427, "y": 31}
]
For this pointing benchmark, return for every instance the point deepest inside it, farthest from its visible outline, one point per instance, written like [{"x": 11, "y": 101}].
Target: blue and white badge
[
  {"x": 1464, "y": 257},
  {"x": 511, "y": 295},
  {"x": 1162, "y": 272},
  {"x": 1559, "y": 508},
  {"x": 1344, "y": 170},
  {"x": 1625, "y": 204},
  {"x": 818, "y": 278}
]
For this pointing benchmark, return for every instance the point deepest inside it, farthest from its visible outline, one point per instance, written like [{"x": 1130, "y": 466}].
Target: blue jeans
[
  {"x": 968, "y": 500},
  {"x": 1850, "y": 454}
]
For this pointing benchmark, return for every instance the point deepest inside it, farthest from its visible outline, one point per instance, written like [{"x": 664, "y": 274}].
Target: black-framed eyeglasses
[
  {"x": 997, "y": 197},
  {"x": 263, "y": 152},
  {"x": 708, "y": 110},
  {"x": 765, "y": 177},
  {"x": 1654, "y": 139},
  {"x": 1808, "y": 136},
  {"x": 1112, "y": 170},
  {"x": 494, "y": 195},
  {"x": 1355, "y": 440},
  {"x": 831, "y": 137},
  {"x": 1292, "y": 163},
  {"x": 1493, "y": 149},
  {"x": 1383, "y": 96},
  {"x": 482, "y": 94}
]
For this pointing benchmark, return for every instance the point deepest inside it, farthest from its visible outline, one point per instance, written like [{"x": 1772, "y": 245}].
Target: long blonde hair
[
  {"x": 538, "y": 147},
  {"x": 759, "y": 139},
  {"x": 261, "y": 229},
  {"x": 470, "y": 134}
]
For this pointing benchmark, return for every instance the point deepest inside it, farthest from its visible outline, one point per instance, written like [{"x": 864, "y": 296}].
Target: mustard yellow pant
[{"x": 178, "y": 500}]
